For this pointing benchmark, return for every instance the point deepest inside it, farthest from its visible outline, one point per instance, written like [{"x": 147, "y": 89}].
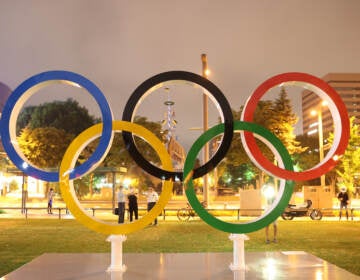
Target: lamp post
[{"x": 205, "y": 73}]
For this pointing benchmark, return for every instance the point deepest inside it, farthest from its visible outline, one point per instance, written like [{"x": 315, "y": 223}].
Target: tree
[
  {"x": 118, "y": 154},
  {"x": 82, "y": 186},
  {"x": 24, "y": 118},
  {"x": 283, "y": 121},
  {"x": 278, "y": 117},
  {"x": 349, "y": 164},
  {"x": 45, "y": 131},
  {"x": 4, "y": 160},
  {"x": 66, "y": 115},
  {"x": 44, "y": 147},
  {"x": 307, "y": 159}
]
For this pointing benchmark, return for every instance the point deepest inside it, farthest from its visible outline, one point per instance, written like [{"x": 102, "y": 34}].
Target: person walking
[
  {"x": 152, "y": 198},
  {"x": 50, "y": 198},
  {"x": 133, "y": 205},
  {"x": 121, "y": 204},
  {"x": 343, "y": 197}
]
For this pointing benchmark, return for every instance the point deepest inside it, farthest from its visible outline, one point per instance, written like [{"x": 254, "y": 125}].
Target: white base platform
[{"x": 188, "y": 266}]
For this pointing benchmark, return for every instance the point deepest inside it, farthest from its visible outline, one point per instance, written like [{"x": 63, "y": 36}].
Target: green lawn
[{"x": 23, "y": 240}]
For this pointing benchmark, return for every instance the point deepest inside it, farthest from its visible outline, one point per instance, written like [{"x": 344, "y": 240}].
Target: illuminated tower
[
  {"x": 169, "y": 122},
  {"x": 176, "y": 151}
]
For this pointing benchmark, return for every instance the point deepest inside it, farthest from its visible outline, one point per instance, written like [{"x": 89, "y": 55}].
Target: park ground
[{"x": 22, "y": 240}]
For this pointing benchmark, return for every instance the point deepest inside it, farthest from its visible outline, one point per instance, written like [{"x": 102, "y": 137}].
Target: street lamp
[
  {"x": 205, "y": 73},
  {"x": 318, "y": 113}
]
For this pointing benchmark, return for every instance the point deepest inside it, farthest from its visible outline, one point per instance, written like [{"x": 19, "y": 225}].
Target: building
[
  {"x": 5, "y": 92},
  {"x": 177, "y": 154},
  {"x": 348, "y": 87}
]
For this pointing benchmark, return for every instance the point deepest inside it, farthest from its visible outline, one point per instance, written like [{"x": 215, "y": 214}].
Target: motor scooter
[{"x": 294, "y": 210}]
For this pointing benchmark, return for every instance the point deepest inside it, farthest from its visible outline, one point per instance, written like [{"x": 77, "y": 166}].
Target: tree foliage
[
  {"x": 64, "y": 115},
  {"x": 278, "y": 117},
  {"x": 282, "y": 123},
  {"x": 118, "y": 154},
  {"x": 44, "y": 147},
  {"x": 307, "y": 159},
  {"x": 348, "y": 167},
  {"x": 45, "y": 131},
  {"x": 24, "y": 118}
]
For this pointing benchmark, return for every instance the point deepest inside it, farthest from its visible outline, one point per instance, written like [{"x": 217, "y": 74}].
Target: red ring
[{"x": 341, "y": 134}]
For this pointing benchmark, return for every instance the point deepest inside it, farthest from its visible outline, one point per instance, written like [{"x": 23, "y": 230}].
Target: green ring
[{"x": 270, "y": 215}]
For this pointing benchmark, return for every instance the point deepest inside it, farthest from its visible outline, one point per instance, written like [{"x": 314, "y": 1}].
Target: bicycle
[{"x": 185, "y": 213}]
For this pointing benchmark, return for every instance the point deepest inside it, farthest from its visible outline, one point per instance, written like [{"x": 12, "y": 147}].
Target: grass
[{"x": 23, "y": 240}]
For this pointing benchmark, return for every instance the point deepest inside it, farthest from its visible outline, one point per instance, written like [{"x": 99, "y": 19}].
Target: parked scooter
[{"x": 299, "y": 211}]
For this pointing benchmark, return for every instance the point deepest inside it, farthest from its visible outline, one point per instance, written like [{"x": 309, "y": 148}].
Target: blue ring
[{"x": 105, "y": 139}]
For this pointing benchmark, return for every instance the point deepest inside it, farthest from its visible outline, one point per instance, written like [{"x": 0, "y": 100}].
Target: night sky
[{"x": 119, "y": 44}]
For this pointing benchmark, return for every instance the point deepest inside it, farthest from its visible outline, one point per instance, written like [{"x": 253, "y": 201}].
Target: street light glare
[
  {"x": 336, "y": 157},
  {"x": 268, "y": 191}
]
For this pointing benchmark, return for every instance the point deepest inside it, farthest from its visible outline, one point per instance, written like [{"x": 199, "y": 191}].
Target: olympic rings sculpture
[{"x": 67, "y": 172}]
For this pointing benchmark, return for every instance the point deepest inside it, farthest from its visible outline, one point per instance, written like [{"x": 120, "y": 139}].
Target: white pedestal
[
  {"x": 238, "y": 251},
  {"x": 116, "y": 253}
]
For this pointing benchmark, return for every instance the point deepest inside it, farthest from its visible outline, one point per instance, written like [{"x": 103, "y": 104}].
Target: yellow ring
[{"x": 67, "y": 187}]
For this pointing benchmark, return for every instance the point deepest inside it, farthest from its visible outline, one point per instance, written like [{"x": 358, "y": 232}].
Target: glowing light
[
  {"x": 313, "y": 131},
  {"x": 268, "y": 191},
  {"x": 314, "y": 124},
  {"x": 126, "y": 182},
  {"x": 318, "y": 275},
  {"x": 270, "y": 269}
]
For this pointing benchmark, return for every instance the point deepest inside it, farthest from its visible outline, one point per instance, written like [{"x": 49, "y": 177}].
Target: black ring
[{"x": 184, "y": 76}]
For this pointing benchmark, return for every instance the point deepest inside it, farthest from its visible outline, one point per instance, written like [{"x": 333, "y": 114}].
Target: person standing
[
  {"x": 50, "y": 198},
  {"x": 274, "y": 223},
  {"x": 344, "y": 200},
  {"x": 121, "y": 204},
  {"x": 152, "y": 198},
  {"x": 133, "y": 205},
  {"x": 269, "y": 192}
]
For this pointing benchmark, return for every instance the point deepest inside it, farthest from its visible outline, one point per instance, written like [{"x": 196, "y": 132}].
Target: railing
[
  {"x": 337, "y": 210},
  {"x": 170, "y": 212},
  {"x": 25, "y": 210}
]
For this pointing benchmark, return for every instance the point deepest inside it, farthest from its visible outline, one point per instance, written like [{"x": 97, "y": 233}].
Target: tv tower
[
  {"x": 169, "y": 123},
  {"x": 176, "y": 151}
]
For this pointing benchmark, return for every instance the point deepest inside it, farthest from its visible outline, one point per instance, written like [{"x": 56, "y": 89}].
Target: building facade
[{"x": 347, "y": 86}]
